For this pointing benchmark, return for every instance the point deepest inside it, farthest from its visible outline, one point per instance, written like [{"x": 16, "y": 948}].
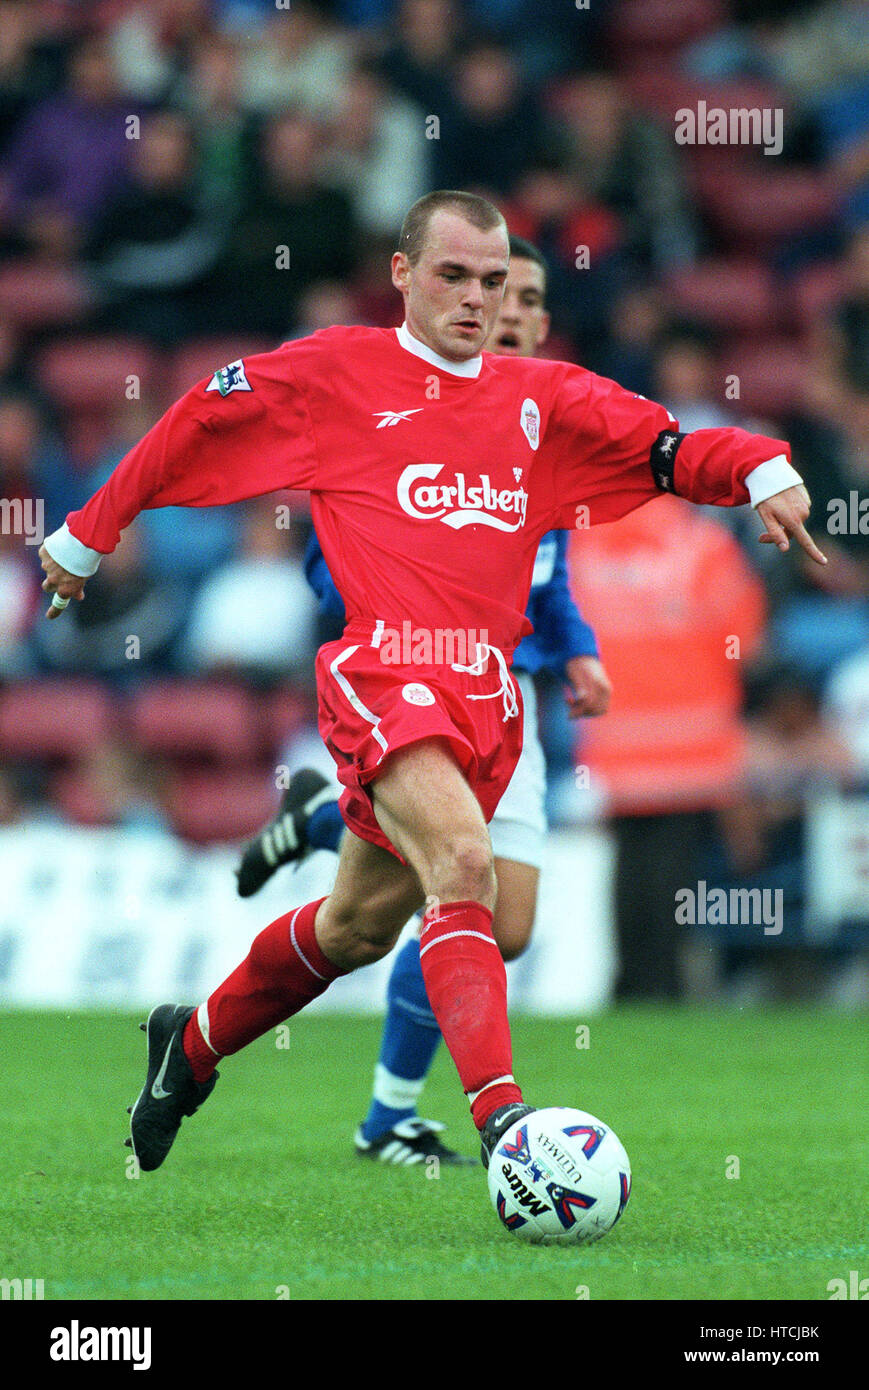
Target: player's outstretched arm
[
  {"x": 244, "y": 433},
  {"x": 614, "y": 450}
]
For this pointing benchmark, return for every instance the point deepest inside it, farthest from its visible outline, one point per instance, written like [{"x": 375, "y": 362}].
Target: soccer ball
[{"x": 559, "y": 1177}]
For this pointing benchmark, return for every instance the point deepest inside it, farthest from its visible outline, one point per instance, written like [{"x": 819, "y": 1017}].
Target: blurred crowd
[{"x": 182, "y": 181}]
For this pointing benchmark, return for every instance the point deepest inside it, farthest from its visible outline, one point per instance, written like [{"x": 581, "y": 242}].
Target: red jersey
[{"x": 431, "y": 482}]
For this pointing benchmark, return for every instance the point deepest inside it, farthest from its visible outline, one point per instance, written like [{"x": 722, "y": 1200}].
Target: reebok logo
[
  {"x": 457, "y": 504},
  {"x": 392, "y": 417}
]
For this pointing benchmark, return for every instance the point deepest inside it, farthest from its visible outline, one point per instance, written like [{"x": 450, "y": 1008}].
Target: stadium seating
[
  {"x": 283, "y": 714},
  {"x": 644, "y": 31},
  {"x": 90, "y": 378},
  {"x": 773, "y": 376},
  {"x": 755, "y": 208},
  {"x": 60, "y": 718},
  {"x": 815, "y": 292},
  {"x": 195, "y": 720},
  {"x": 733, "y": 295},
  {"x": 35, "y": 295},
  {"x": 86, "y": 374},
  {"x": 219, "y": 806}
]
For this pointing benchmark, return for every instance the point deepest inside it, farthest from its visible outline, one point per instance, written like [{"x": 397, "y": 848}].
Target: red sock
[
  {"x": 283, "y": 972},
  {"x": 466, "y": 985}
]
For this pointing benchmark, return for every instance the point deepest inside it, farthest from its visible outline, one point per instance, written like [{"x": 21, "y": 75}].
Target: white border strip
[
  {"x": 299, "y": 952},
  {"x": 448, "y": 936},
  {"x": 354, "y": 699}
]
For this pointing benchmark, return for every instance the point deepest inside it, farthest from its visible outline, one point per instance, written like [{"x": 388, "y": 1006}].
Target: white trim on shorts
[
  {"x": 361, "y": 709},
  {"x": 518, "y": 827}
]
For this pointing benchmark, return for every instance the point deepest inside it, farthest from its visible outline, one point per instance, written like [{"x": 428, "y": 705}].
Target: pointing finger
[{"x": 802, "y": 536}]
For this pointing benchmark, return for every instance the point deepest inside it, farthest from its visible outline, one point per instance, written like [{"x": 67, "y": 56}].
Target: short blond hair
[{"x": 478, "y": 211}]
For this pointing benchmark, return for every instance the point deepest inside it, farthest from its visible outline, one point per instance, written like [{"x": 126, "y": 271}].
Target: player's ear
[
  {"x": 400, "y": 270},
  {"x": 543, "y": 332}
]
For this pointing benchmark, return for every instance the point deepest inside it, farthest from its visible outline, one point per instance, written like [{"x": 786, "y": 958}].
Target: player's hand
[
  {"x": 590, "y": 688},
  {"x": 59, "y": 581},
  {"x": 783, "y": 515}
]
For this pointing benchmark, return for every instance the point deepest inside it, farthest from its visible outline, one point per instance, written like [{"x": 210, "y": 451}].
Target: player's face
[
  {"x": 522, "y": 324},
  {"x": 453, "y": 293}
]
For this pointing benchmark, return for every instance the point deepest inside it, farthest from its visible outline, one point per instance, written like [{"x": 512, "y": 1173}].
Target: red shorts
[{"x": 370, "y": 707}]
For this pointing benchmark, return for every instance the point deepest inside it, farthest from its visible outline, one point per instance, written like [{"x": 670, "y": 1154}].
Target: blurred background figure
[
  {"x": 127, "y": 632},
  {"x": 378, "y": 153},
  {"x": 292, "y": 229},
  {"x": 675, "y": 641},
  {"x": 846, "y": 709},
  {"x": 155, "y": 241},
  {"x": 790, "y": 754},
  {"x": 67, "y": 154},
  {"x": 300, "y": 58},
  {"x": 256, "y": 615}
]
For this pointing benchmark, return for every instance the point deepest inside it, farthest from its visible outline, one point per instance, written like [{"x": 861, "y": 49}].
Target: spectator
[
  {"x": 492, "y": 131},
  {"x": 583, "y": 242},
  {"x": 378, "y": 153},
  {"x": 846, "y": 708},
  {"x": 126, "y": 628},
  {"x": 829, "y": 451},
  {"x": 377, "y": 301},
  {"x": 849, "y": 329},
  {"x": 629, "y": 164},
  {"x": 421, "y": 55},
  {"x": 256, "y": 615},
  {"x": 151, "y": 44},
  {"x": 68, "y": 154},
  {"x": 549, "y": 37},
  {"x": 30, "y": 65},
  {"x": 33, "y": 464},
  {"x": 324, "y": 304},
  {"x": 685, "y": 378},
  {"x": 292, "y": 231},
  {"x": 627, "y": 353},
  {"x": 789, "y": 753},
  {"x": 154, "y": 243},
  {"x": 674, "y": 640},
  {"x": 210, "y": 93},
  {"x": 19, "y": 605},
  {"x": 299, "y": 59},
  {"x": 688, "y": 384}
]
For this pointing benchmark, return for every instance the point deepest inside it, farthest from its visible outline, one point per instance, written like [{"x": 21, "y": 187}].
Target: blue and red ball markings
[
  {"x": 518, "y": 1151},
  {"x": 625, "y": 1184},
  {"x": 511, "y": 1222},
  {"x": 594, "y": 1137},
  {"x": 564, "y": 1200}
]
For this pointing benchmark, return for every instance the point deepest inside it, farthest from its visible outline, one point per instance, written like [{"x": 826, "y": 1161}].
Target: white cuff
[
  {"x": 771, "y": 477},
  {"x": 71, "y": 554}
]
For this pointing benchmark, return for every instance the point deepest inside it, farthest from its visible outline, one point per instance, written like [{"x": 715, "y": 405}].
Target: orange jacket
[{"x": 677, "y": 610}]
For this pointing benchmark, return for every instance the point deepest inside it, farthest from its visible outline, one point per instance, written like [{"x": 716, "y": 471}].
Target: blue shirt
[{"x": 559, "y": 633}]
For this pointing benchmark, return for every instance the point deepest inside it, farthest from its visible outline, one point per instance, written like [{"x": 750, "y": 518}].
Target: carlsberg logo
[{"x": 459, "y": 504}]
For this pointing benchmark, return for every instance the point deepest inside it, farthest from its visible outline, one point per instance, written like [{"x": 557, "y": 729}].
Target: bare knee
[
  {"x": 354, "y": 935},
  {"x": 512, "y": 927},
  {"x": 511, "y": 943},
  {"x": 462, "y": 868},
  {"x": 516, "y": 906}
]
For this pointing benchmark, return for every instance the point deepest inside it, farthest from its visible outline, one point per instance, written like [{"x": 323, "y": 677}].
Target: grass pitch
[{"x": 262, "y": 1197}]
